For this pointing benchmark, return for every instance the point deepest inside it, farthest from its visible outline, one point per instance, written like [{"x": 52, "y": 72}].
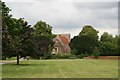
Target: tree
[
  {"x": 74, "y": 45},
  {"x": 86, "y": 41},
  {"x": 15, "y": 34},
  {"x": 105, "y": 37},
  {"x": 6, "y": 39},
  {"x": 109, "y": 45},
  {"x": 107, "y": 49},
  {"x": 42, "y": 39},
  {"x": 19, "y": 33},
  {"x": 89, "y": 30},
  {"x": 89, "y": 39}
]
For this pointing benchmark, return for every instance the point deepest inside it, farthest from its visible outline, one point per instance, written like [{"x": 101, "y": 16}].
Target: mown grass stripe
[{"x": 70, "y": 68}]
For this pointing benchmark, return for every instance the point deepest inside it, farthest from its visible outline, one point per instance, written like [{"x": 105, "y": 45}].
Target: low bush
[
  {"x": 81, "y": 56},
  {"x": 59, "y": 56},
  {"x": 62, "y": 56},
  {"x": 68, "y": 56},
  {"x": 95, "y": 55},
  {"x": 65, "y": 56},
  {"x": 48, "y": 56}
]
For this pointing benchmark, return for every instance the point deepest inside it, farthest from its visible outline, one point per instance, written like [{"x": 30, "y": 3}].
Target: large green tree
[
  {"x": 15, "y": 33},
  {"x": 42, "y": 39},
  {"x": 86, "y": 41},
  {"x": 19, "y": 32},
  {"x": 6, "y": 39},
  {"x": 109, "y": 45}
]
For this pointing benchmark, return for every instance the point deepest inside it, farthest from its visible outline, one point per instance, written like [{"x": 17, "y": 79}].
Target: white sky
[{"x": 69, "y": 16}]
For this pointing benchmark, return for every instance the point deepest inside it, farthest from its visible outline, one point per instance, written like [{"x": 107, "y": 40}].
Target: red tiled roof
[{"x": 63, "y": 39}]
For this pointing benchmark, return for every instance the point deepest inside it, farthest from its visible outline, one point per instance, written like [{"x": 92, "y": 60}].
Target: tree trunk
[{"x": 17, "y": 59}]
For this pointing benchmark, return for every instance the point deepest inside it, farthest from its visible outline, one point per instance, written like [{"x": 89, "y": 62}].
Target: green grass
[
  {"x": 9, "y": 59},
  {"x": 12, "y": 58},
  {"x": 74, "y": 68}
]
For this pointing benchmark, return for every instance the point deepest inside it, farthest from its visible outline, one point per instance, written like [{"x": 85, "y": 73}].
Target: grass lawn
[
  {"x": 63, "y": 68},
  {"x": 9, "y": 59}
]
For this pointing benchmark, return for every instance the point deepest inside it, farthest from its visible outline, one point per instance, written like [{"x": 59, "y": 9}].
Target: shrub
[
  {"x": 59, "y": 56},
  {"x": 74, "y": 51},
  {"x": 48, "y": 56},
  {"x": 81, "y": 56},
  {"x": 63, "y": 56},
  {"x": 86, "y": 55},
  {"x": 96, "y": 53}
]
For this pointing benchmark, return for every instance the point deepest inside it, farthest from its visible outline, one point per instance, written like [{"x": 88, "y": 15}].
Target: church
[{"x": 61, "y": 44}]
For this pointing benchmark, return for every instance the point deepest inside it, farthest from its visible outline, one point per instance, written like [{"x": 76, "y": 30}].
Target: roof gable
[{"x": 64, "y": 40}]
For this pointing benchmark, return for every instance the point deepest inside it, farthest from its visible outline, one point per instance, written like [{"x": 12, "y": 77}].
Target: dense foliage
[
  {"x": 15, "y": 35},
  {"x": 42, "y": 38},
  {"x": 86, "y": 41},
  {"x": 109, "y": 45}
]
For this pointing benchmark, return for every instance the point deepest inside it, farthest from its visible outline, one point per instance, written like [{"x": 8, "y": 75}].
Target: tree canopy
[
  {"x": 105, "y": 37},
  {"x": 86, "y": 41},
  {"x": 42, "y": 39},
  {"x": 109, "y": 45}
]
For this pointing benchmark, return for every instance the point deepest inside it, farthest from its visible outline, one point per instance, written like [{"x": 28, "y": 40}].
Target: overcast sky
[{"x": 68, "y": 16}]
